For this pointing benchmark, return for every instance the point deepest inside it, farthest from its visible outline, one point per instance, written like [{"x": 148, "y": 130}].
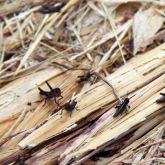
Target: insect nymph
[
  {"x": 162, "y": 99},
  {"x": 53, "y": 93},
  {"x": 69, "y": 106},
  {"x": 52, "y": 9},
  {"x": 122, "y": 107},
  {"x": 85, "y": 77}
]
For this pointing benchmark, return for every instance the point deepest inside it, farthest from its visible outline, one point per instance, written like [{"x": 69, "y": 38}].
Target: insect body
[
  {"x": 29, "y": 103},
  {"x": 162, "y": 99},
  {"x": 20, "y": 161},
  {"x": 53, "y": 93},
  {"x": 53, "y": 9},
  {"x": 86, "y": 77},
  {"x": 122, "y": 107},
  {"x": 70, "y": 106}
]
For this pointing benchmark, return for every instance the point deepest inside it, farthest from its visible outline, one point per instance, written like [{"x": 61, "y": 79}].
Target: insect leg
[
  {"x": 163, "y": 94},
  {"x": 38, "y": 101},
  {"x": 56, "y": 101},
  {"x": 126, "y": 110},
  {"x": 117, "y": 106},
  {"x": 61, "y": 97},
  {"x": 78, "y": 81},
  {"x": 45, "y": 101},
  {"x": 61, "y": 112},
  {"x": 80, "y": 76},
  {"x": 70, "y": 113},
  {"x": 59, "y": 100},
  {"x": 91, "y": 81},
  {"x": 77, "y": 109},
  {"x": 116, "y": 113}
]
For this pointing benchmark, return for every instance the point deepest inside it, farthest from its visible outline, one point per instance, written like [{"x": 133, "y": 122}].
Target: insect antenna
[
  {"x": 49, "y": 86},
  {"x": 132, "y": 96}
]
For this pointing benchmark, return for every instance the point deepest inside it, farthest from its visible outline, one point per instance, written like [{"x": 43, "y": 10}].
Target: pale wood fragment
[{"x": 128, "y": 78}]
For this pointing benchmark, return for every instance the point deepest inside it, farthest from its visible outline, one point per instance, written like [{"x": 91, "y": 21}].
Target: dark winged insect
[
  {"x": 122, "y": 107},
  {"x": 70, "y": 106},
  {"x": 85, "y": 77},
  {"x": 53, "y": 9},
  {"x": 162, "y": 99},
  {"x": 53, "y": 93}
]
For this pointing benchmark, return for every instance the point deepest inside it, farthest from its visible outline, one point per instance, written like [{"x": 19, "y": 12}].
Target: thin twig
[
  {"x": 1, "y": 43},
  {"x": 113, "y": 26},
  {"x": 149, "y": 145},
  {"x": 110, "y": 84},
  {"x": 80, "y": 41}
]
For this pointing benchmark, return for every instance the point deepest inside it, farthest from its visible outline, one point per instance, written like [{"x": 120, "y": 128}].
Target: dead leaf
[{"x": 146, "y": 24}]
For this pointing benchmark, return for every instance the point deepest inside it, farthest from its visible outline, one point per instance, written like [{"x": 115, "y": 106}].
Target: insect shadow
[{"x": 53, "y": 93}]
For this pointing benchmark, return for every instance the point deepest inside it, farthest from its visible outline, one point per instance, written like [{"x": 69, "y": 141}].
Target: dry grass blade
[
  {"x": 103, "y": 40},
  {"x": 71, "y": 89},
  {"x": 54, "y": 18}
]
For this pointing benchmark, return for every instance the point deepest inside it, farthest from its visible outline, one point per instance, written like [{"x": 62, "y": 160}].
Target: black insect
[
  {"x": 53, "y": 9},
  {"x": 122, "y": 107},
  {"x": 85, "y": 77},
  {"x": 29, "y": 103},
  {"x": 20, "y": 161},
  {"x": 162, "y": 99},
  {"x": 53, "y": 93},
  {"x": 70, "y": 106}
]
